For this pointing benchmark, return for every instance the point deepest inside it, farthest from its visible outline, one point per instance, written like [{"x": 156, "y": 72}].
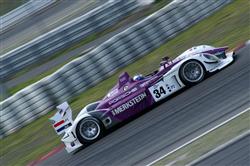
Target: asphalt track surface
[
  {"x": 56, "y": 14},
  {"x": 172, "y": 123},
  {"x": 236, "y": 154}
]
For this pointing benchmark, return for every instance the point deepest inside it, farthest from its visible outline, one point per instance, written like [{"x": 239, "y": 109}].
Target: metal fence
[
  {"x": 84, "y": 72},
  {"x": 48, "y": 44},
  {"x": 22, "y": 12}
]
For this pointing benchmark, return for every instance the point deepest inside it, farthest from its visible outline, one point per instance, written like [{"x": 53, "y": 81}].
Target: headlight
[{"x": 210, "y": 57}]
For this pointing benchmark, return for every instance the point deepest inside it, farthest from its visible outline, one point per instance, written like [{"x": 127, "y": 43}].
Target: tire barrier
[
  {"x": 45, "y": 46},
  {"x": 22, "y": 12}
]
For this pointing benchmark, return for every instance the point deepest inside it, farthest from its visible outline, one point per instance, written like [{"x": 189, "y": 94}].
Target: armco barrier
[
  {"x": 46, "y": 45},
  {"x": 22, "y": 12},
  {"x": 84, "y": 72}
]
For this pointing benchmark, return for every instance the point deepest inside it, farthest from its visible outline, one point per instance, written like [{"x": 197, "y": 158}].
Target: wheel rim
[
  {"x": 89, "y": 129},
  {"x": 193, "y": 71}
]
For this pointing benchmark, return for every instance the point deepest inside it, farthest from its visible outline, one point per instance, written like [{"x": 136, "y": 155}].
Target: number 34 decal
[{"x": 161, "y": 90}]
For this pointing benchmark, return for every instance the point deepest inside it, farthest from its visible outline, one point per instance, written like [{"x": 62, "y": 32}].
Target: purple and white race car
[{"x": 131, "y": 96}]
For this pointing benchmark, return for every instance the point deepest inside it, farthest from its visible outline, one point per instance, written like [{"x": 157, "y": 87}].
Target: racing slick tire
[
  {"x": 192, "y": 72},
  {"x": 89, "y": 130}
]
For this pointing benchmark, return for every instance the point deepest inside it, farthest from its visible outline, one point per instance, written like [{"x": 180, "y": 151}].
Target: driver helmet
[{"x": 138, "y": 77}]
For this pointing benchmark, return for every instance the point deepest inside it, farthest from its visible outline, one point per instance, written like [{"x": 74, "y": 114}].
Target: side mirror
[
  {"x": 166, "y": 58},
  {"x": 162, "y": 63}
]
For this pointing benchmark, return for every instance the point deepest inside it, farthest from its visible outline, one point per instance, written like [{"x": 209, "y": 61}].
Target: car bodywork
[{"x": 129, "y": 97}]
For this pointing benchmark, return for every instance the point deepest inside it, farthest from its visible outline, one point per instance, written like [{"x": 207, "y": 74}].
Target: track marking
[
  {"x": 45, "y": 157},
  {"x": 219, "y": 148},
  {"x": 182, "y": 157},
  {"x": 194, "y": 139}
]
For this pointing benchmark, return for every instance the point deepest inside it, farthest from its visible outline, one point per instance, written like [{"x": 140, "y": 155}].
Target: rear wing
[{"x": 62, "y": 118}]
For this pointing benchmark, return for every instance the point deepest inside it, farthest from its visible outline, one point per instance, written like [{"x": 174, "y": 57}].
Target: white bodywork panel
[
  {"x": 70, "y": 137},
  {"x": 164, "y": 88},
  {"x": 171, "y": 81},
  {"x": 62, "y": 119},
  {"x": 195, "y": 50}
]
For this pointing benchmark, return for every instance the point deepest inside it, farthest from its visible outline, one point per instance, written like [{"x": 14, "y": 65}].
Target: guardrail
[
  {"x": 13, "y": 17},
  {"x": 84, "y": 72},
  {"x": 46, "y": 45}
]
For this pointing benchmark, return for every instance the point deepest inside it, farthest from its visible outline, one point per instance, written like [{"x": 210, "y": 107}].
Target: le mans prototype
[{"x": 133, "y": 95}]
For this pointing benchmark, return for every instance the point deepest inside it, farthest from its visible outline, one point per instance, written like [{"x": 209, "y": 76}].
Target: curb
[
  {"x": 45, "y": 157},
  {"x": 241, "y": 45}
]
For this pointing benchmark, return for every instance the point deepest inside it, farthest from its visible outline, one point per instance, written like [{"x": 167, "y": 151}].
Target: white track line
[
  {"x": 219, "y": 148},
  {"x": 194, "y": 139}
]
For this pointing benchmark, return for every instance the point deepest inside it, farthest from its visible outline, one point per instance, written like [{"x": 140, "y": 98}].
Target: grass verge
[
  {"x": 131, "y": 18},
  {"x": 229, "y": 26},
  {"x": 7, "y": 5},
  {"x": 208, "y": 142}
]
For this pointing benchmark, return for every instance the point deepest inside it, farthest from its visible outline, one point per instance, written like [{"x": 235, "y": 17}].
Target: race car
[{"x": 131, "y": 96}]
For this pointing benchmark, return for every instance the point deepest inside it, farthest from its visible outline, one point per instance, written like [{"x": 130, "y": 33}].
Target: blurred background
[{"x": 58, "y": 50}]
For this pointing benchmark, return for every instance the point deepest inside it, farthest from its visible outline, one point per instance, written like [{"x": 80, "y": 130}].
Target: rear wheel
[
  {"x": 89, "y": 130},
  {"x": 192, "y": 72}
]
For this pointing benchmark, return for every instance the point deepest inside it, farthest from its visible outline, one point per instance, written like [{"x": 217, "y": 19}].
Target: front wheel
[
  {"x": 192, "y": 72},
  {"x": 89, "y": 130}
]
